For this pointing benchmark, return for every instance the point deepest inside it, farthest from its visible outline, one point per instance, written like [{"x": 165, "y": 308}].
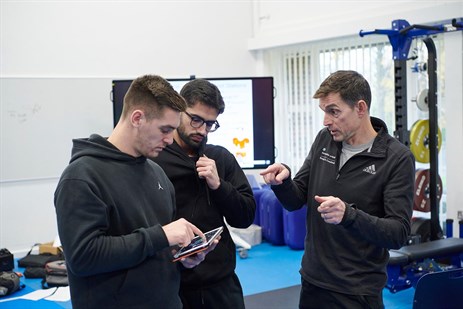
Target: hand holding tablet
[{"x": 198, "y": 244}]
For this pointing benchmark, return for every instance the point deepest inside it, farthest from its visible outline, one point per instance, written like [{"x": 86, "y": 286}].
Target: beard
[{"x": 187, "y": 139}]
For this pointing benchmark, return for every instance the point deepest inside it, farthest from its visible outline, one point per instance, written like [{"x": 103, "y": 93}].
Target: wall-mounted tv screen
[{"x": 246, "y": 126}]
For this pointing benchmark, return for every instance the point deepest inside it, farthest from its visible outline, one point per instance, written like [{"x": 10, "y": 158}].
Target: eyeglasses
[{"x": 197, "y": 122}]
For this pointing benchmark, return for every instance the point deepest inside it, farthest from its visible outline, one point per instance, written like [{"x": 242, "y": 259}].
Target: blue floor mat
[{"x": 268, "y": 268}]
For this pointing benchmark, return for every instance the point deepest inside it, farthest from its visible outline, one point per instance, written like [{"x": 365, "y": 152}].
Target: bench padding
[{"x": 431, "y": 249}]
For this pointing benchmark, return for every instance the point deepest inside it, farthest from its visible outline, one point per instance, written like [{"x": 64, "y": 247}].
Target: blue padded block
[
  {"x": 257, "y": 194},
  {"x": 294, "y": 227},
  {"x": 271, "y": 218}
]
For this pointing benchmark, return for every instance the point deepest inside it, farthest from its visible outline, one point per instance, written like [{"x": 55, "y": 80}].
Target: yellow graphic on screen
[{"x": 241, "y": 145}]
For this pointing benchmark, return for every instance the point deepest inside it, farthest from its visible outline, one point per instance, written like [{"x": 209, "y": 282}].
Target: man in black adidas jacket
[
  {"x": 357, "y": 182},
  {"x": 209, "y": 186}
]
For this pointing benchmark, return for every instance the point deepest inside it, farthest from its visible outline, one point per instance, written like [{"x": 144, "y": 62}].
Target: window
[{"x": 299, "y": 70}]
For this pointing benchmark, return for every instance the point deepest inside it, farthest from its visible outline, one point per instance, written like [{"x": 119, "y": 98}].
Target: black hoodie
[
  {"x": 207, "y": 208},
  {"x": 110, "y": 210}
]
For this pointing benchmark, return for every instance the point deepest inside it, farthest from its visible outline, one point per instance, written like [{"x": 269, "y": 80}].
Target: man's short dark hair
[
  {"x": 203, "y": 91},
  {"x": 350, "y": 85},
  {"x": 153, "y": 94}
]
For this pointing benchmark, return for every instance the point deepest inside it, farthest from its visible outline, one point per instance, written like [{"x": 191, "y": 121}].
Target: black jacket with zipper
[
  {"x": 207, "y": 208},
  {"x": 377, "y": 188}
]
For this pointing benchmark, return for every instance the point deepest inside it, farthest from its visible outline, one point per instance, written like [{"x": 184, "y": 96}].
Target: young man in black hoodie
[
  {"x": 357, "y": 182},
  {"x": 209, "y": 186},
  {"x": 116, "y": 209}
]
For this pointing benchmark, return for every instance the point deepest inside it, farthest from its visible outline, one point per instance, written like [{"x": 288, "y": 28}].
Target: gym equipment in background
[
  {"x": 419, "y": 140},
  {"x": 294, "y": 228},
  {"x": 437, "y": 254},
  {"x": 271, "y": 218},
  {"x": 421, "y": 201},
  {"x": 422, "y": 100},
  {"x": 280, "y": 226},
  {"x": 401, "y": 36},
  {"x": 439, "y": 290}
]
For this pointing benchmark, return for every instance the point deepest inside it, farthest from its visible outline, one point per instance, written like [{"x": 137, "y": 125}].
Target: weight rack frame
[{"x": 400, "y": 37}]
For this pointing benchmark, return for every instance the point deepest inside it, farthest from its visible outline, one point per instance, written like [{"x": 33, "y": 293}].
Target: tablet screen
[{"x": 198, "y": 244}]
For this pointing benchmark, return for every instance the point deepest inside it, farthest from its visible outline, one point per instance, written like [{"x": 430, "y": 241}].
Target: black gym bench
[{"x": 407, "y": 264}]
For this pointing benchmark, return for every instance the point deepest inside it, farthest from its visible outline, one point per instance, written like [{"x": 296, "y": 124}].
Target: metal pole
[{"x": 436, "y": 230}]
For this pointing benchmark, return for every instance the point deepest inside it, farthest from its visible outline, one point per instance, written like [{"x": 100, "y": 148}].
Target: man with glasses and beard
[
  {"x": 116, "y": 209},
  {"x": 210, "y": 186}
]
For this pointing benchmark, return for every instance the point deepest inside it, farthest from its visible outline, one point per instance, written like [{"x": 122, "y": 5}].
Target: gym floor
[{"x": 270, "y": 279}]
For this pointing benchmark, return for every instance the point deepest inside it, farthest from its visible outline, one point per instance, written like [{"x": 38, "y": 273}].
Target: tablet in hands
[{"x": 198, "y": 244}]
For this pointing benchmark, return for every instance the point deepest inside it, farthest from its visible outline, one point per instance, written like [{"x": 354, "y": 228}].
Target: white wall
[
  {"x": 126, "y": 38},
  {"x": 123, "y": 39},
  {"x": 278, "y": 23}
]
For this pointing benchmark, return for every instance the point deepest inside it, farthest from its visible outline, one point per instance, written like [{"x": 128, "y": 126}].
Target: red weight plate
[{"x": 421, "y": 201}]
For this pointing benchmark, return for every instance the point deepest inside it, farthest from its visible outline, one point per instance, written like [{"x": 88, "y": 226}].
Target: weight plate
[
  {"x": 421, "y": 200},
  {"x": 419, "y": 140},
  {"x": 422, "y": 100}
]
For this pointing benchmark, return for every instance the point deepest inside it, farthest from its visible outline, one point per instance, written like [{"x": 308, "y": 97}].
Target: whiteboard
[{"x": 41, "y": 116}]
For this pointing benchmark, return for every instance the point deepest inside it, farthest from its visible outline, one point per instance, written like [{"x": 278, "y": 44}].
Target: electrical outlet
[{"x": 460, "y": 215}]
